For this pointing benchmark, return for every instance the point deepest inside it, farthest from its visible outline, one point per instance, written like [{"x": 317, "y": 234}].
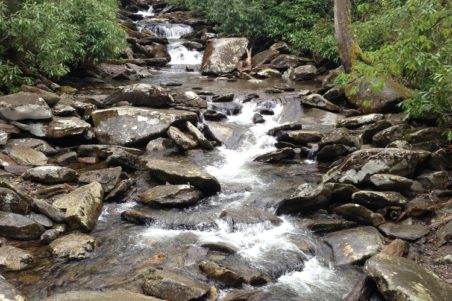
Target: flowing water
[{"x": 297, "y": 261}]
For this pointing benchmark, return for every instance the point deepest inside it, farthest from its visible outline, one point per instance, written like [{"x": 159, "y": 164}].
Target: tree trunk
[{"x": 349, "y": 49}]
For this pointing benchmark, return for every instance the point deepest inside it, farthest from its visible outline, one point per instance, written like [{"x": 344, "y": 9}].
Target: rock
[
  {"x": 406, "y": 232},
  {"x": 27, "y": 156},
  {"x": 100, "y": 296},
  {"x": 401, "y": 279},
  {"x": 182, "y": 172},
  {"x": 362, "y": 93},
  {"x": 369, "y": 130},
  {"x": 268, "y": 73},
  {"x": 354, "y": 246},
  {"x": 325, "y": 224},
  {"x": 264, "y": 57},
  {"x": 221, "y": 274},
  {"x": 74, "y": 246},
  {"x": 190, "y": 99},
  {"x": 360, "y": 214},
  {"x": 433, "y": 178},
  {"x": 307, "y": 197},
  {"x": 202, "y": 140},
  {"x": 444, "y": 234},
  {"x": 24, "y": 106},
  {"x": 357, "y": 121},
  {"x": 282, "y": 47},
  {"x": 48, "y": 210},
  {"x": 389, "y": 135},
  {"x": 379, "y": 199},
  {"x": 222, "y": 55},
  {"x": 340, "y": 136},
  {"x": 248, "y": 215},
  {"x": 59, "y": 127},
  {"x": 191, "y": 45},
  {"x": 184, "y": 141},
  {"x": 41, "y": 219},
  {"x": 4, "y": 136},
  {"x": 50, "y": 174},
  {"x": 286, "y": 127},
  {"x": 391, "y": 182},
  {"x": 82, "y": 206},
  {"x": 129, "y": 125},
  {"x": 226, "y": 134},
  {"x": 342, "y": 193},
  {"x": 108, "y": 177},
  {"x": 15, "y": 259},
  {"x": 67, "y": 158},
  {"x": 228, "y": 108},
  {"x": 223, "y": 98},
  {"x": 214, "y": 115},
  {"x": 51, "y": 234},
  {"x": 285, "y": 61},
  {"x": 362, "y": 164},
  {"x": 276, "y": 156},
  {"x": 10, "y": 201},
  {"x": 258, "y": 118},
  {"x": 334, "y": 151},
  {"x": 36, "y": 144},
  {"x": 300, "y": 137},
  {"x": 141, "y": 95},
  {"x": 162, "y": 147},
  {"x": 50, "y": 98},
  {"x": 318, "y": 101},
  {"x": 9, "y": 292},
  {"x": 174, "y": 286},
  {"x": 427, "y": 135},
  {"x": 171, "y": 196},
  {"x": 397, "y": 247},
  {"x": 17, "y": 226},
  {"x": 306, "y": 72},
  {"x": 120, "y": 189}
]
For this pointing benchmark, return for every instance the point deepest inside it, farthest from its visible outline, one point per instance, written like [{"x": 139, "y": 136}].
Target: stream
[{"x": 296, "y": 261}]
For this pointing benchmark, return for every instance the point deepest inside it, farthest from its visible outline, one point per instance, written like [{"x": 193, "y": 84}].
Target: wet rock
[
  {"x": 214, "y": 115},
  {"x": 258, "y": 118},
  {"x": 222, "y": 247},
  {"x": 389, "y": 135},
  {"x": 190, "y": 99},
  {"x": 226, "y": 134},
  {"x": 17, "y": 226},
  {"x": 264, "y": 57},
  {"x": 128, "y": 125},
  {"x": 10, "y": 201},
  {"x": 36, "y": 144},
  {"x": 181, "y": 172},
  {"x": 397, "y": 247},
  {"x": 74, "y": 246},
  {"x": 300, "y": 137},
  {"x": 82, "y": 206},
  {"x": 286, "y": 127},
  {"x": 193, "y": 45},
  {"x": 357, "y": 121},
  {"x": 360, "y": 214},
  {"x": 340, "y": 136},
  {"x": 276, "y": 156},
  {"x": 223, "y": 98},
  {"x": 369, "y": 130},
  {"x": 41, "y": 219},
  {"x": 318, "y": 101},
  {"x": 307, "y": 197},
  {"x": 107, "y": 177},
  {"x": 343, "y": 192},
  {"x": 51, "y": 234},
  {"x": 433, "y": 178},
  {"x": 50, "y": 98},
  {"x": 59, "y": 127},
  {"x": 170, "y": 196},
  {"x": 306, "y": 72},
  {"x": 228, "y": 108},
  {"x": 402, "y": 231},
  {"x": 100, "y": 296},
  {"x": 354, "y": 246},
  {"x": 391, "y": 182},
  {"x": 362, "y": 94},
  {"x": 379, "y": 199},
  {"x": 142, "y": 95},
  {"x": 332, "y": 152},
  {"x": 120, "y": 189},
  {"x": 174, "y": 286},
  {"x": 325, "y": 224},
  {"x": 221, "y": 274},
  {"x": 67, "y": 158},
  {"x": 362, "y": 164},
  {"x": 15, "y": 259},
  {"x": 184, "y": 141},
  {"x": 24, "y": 106},
  {"x": 202, "y": 140},
  {"x": 27, "y": 156},
  {"x": 268, "y": 73},
  {"x": 248, "y": 215},
  {"x": 401, "y": 279},
  {"x": 222, "y": 55},
  {"x": 50, "y": 174},
  {"x": 9, "y": 292},
  {"x": 48, "y": 210},
  {"x": 162, "y": 147}
]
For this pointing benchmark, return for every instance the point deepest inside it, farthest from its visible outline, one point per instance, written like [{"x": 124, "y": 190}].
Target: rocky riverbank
[{"x": 251, "y": 176}]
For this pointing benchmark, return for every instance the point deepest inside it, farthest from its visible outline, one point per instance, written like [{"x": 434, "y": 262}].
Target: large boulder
[
  {"x": 24, "y": 106},
  {"x": 74, "y": 246},
  {"x": 362, "y": 164},
  {"x": 306, "y": 72},
  {"x": 402, "y": 279},
  {"x": 222, "y": 55},
  {"x": 307, "y": 197},
  {"x": 171, "y": 196},
  {"x": 353, "y": 246},
  {"x": 174, "y": 286},
  {"x": 369, "y": 97},
  {"x": 82, "y": 206},
  {"x": 182, "y": 172},
  {"x": 142, "y": 95},
  {"x": 129, "y": 125},
  {"x": 50, "y": 174},
  {"x": 20, "y": 227}
]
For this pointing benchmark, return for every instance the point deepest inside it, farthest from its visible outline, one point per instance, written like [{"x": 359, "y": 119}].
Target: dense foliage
[
  {"x": 409, "y": 40},
  {"x": 49, "y": 37}
]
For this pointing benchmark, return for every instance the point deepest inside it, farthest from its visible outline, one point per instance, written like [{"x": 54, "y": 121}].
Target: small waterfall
[
  {"x": 169, "y": 30},
  {"x": 147, "y": 13},
  {"x": 180, "y": 55}
]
